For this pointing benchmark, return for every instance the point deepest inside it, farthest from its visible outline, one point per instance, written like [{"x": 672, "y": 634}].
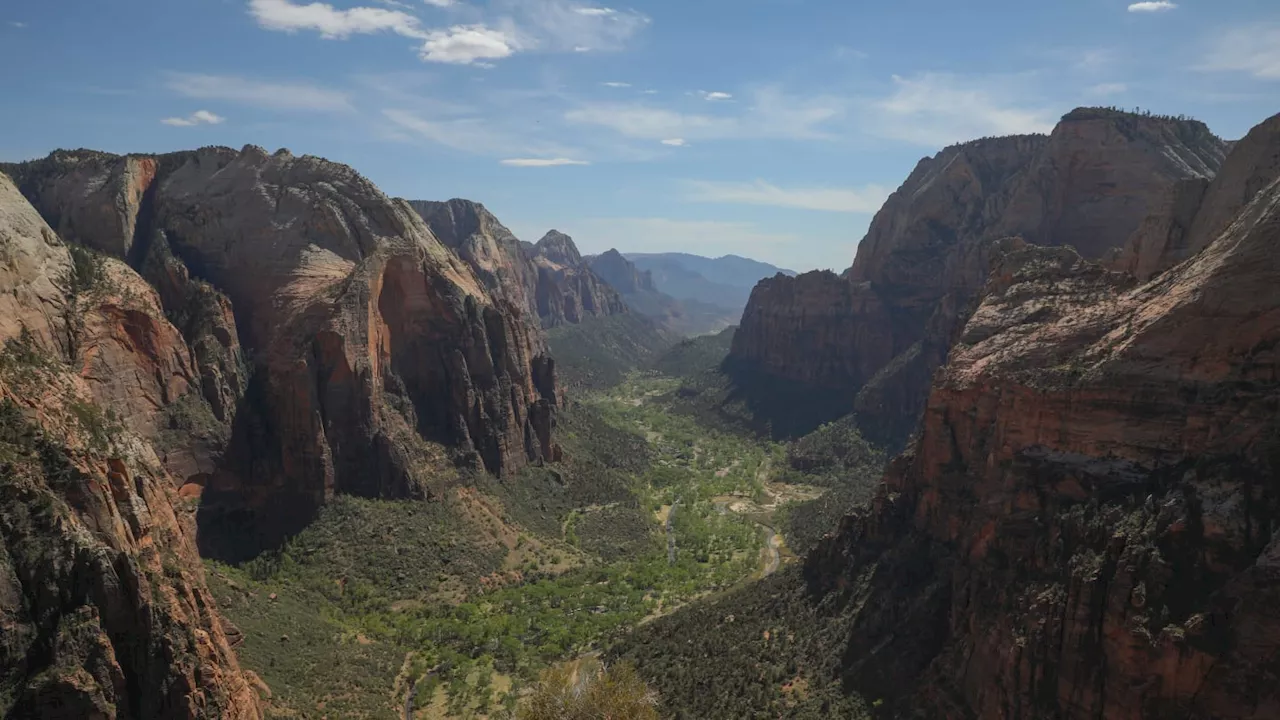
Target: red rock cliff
[
  {"x": 1090, "y": 185},
  {"x": 103, "y": 608},
  {"x": 1085, "y": 526},
  {"x": 374, "y": 350}
]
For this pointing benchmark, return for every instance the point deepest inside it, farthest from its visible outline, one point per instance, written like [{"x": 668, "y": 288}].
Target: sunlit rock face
[
  {"x": 1089, "y": 185},
  {"x": 1084, "y": 526}
]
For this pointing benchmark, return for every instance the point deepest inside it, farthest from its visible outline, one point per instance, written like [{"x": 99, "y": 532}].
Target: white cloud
[
  {"x": 542, "y": 162},
  {"x": 1106, "y": 89},
  {"x": 616, "y": 84},
  {"x": 199, "y": 117},
  {"x": 1152, "y": 7},
  {"x": 465, "y": 44},
  {"x": 848, "y": 200},
  {"x": 512, "y": 25},
  {"x": 713, "y": 96},
  {"x": 257, "y": 93},
  {"x": 1254, "y": 50},
  {"x": 936, "y": 109},
  {"x": 650, "y": 92},
  {"x": 17, "y": 24},
  {"x": 674, "y": 142},
  {"x": 330, "y": 22}
]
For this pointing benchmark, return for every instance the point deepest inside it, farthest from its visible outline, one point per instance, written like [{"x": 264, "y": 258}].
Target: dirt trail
[{"x": 773, "y": 546}]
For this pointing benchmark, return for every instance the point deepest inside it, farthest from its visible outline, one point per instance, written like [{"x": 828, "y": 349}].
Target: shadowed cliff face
[
  {"x": 1084, "y": 527},
  {"x": 548, "y": 280},
  {"x": 103, "y": 607},
  {"x": 338, "y": 344},
  {"x": 1090, "y": 185},
  {"x": 568, "y": 291}
]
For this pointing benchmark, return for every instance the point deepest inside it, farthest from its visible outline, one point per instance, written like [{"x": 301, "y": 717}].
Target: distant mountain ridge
[
  {"x": 641, "y": 292},
  {"x": 724, "y": 282}
]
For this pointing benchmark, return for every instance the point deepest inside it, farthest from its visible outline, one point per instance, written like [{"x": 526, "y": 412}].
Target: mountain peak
[
  {"x": 558, "y": 248},
  {"x": 456, "y": 220}
]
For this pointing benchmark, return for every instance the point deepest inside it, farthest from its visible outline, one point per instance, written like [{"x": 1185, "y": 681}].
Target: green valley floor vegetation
[{"x": 455, "y": 608}]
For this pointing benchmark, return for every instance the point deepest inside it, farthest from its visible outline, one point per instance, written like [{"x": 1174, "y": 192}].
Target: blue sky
[{"x": 767, "y": 128}]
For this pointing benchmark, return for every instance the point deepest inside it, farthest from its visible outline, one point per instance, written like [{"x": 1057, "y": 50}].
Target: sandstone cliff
[
  {"x": 1195, "y": 212},
  {"x": 548, "y": 280},
  {"x": 568, "y": 291},
  {"x": 1090, "y": 184},
  {"x": 1085, "y": 526},
  {"x": 103, "y": 608},
  {"x": 339, "y": 345}
]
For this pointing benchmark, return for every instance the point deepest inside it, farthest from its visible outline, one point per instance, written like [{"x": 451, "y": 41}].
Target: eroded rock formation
[
  {"x": 1085, "y": 526},
  {"x": 549, "y": 278},
  {"x": 1090, "y": 185},
  {"x": 103, "y": 608},
  {"x": 336, "y": 343},
  {"x": 568, "y": 291}
]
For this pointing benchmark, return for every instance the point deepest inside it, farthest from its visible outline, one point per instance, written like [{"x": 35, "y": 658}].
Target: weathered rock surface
[
  {"x": 103, "y": 607},
  {"x": 336, "y": 340},
  {"x": 1084, "y": 527},
  {"x": 548, "y": 280},
  {"x": 568, "y": 291},
  {"x": 1090, "y": 184},
  {"x": 621, "y": 273},
  {"x": 1197, "y": 212}
]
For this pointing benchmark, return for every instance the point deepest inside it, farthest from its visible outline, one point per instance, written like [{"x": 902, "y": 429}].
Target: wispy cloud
[
  {"x": 1107, "y": 89},
  {"x": 17, "y": 24},
  {"x": 564, "y": 25},
  {"x": 199, "y": 117},
  {"x": 259, "y": 93},
  {"x": 616, "y": 84},
  {"x": 936, "y": 109},
  {"x": 542, "y": 162},
  {"x": 847, "y": 200},
  {"x": 770, "y": 113},
  {"x": 660, "y": 234},
  {"x": 1254, "y": 50},
  {"x": 1152, "y": 7},
  {"x": 674, "y": 142},
  {"x": 472, "y": 134},
  {"x": 713, "y": 96},
  {"x": 466, "y": 44}
]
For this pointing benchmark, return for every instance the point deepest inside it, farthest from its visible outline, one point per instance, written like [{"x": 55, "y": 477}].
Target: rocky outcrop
[
  {"x": 339, "y": 343},
  {"x": 620, "y": 273},
  {"x": 557, "y": 248},
  {"x": 1197, "y": 211},
  {"x": 1090, "y": 185},
  {"x": 1084, "y": 527},
  {"x": 493, "y": 252},
  {"x": 548, "y": 280},
  {"x": 103, "y": 608},
  {"x": 568, "y": 292}
]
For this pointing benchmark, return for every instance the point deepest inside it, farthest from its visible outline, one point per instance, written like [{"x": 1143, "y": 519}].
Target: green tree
[{"x": 608, "y": 693}]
